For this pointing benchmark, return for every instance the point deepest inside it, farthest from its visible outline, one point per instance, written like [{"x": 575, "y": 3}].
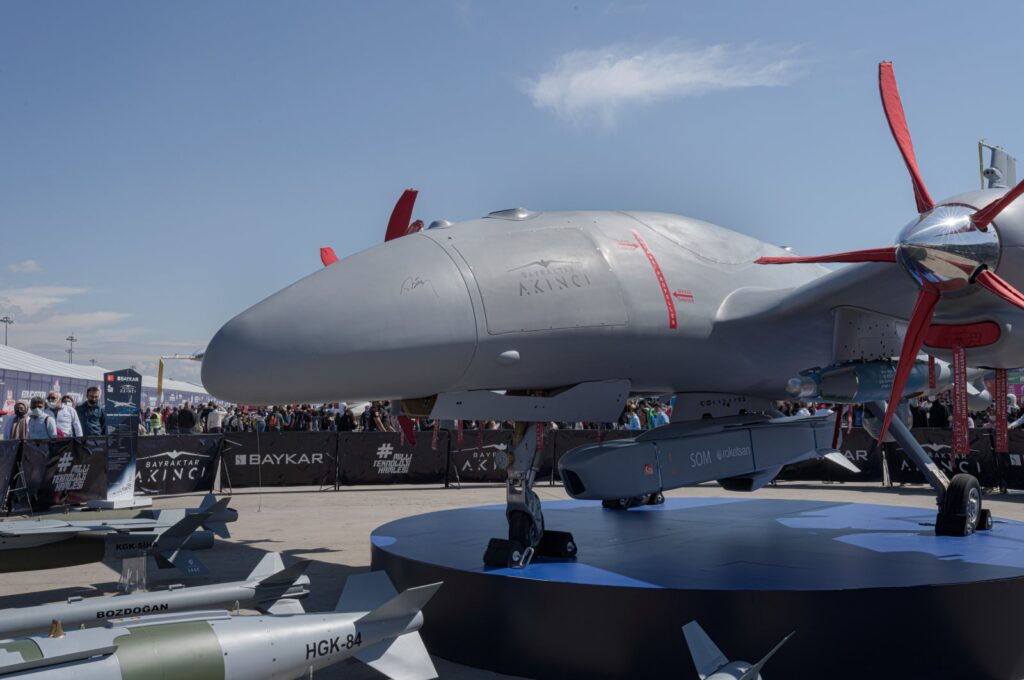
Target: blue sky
[{"x": 165, "y": 165}]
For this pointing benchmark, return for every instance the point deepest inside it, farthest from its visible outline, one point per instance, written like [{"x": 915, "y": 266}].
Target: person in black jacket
[{"x": 186, "y": 419}]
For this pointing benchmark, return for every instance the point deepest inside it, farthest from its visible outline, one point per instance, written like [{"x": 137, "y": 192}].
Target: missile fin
[
  {"x": 286, "y": 576},
  {"x": 405, "y": 605},
  {"x": 707, "y": 657},
  {"x": 404, "y": 658},
  {"x": 364, "y": 592},
  {"x": 285, "y": 605},
  {"x": 841, "y": 460},
  {"x": 754, "y": 672},
  {"x": 270, "y": 563}
]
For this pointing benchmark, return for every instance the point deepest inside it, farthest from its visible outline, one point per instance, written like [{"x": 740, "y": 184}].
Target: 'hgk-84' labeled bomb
[{"x": 371, "y": 623}]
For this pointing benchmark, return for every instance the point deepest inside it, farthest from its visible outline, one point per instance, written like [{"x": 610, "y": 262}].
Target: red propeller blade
[
  {"x": 901, "y": 132},
  {"x": 405, "y": 422},
  {"x": 927, "y": 298},
  {"x": 984, "y": 217},
  {"x": 999, "y": 286},
  {"x": 414, "y": 227},
  {"x": 871, "y": 255},
  {"x": 398, "y": 225},
  {"x": 327, "y": 256}
]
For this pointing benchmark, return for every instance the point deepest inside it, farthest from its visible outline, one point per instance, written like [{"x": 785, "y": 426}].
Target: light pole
[
  {"x": 92, "y": 361},
  {"x": 6, "y": 321},
  {"x": 71, "y": 347}
]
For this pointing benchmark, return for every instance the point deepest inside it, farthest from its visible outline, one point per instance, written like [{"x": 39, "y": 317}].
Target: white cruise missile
[
  {"x": 370, "y": 623},
  {"x": 270, "y": 588}
]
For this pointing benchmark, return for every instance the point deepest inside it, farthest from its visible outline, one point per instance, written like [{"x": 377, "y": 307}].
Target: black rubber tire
[
  {"x": 521, "y": 530},
  {"x": 624, "y": 503},
  {"x": 961, "y": 507}
]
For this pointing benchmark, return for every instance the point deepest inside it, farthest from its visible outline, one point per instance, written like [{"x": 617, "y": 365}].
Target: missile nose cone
[{"x": 392, "y": 321}]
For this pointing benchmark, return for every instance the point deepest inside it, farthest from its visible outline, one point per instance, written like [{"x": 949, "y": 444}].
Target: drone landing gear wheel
[
  {"x": 526, "y": 534},
  {"x": 627, "y": 503},
  {"x": 960, "y": 513}
]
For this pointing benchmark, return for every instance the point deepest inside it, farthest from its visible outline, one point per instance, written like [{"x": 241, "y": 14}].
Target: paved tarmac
[{"x": 332, "y": 529}]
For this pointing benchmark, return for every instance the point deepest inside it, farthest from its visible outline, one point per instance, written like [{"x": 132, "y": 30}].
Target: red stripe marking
[{"x": 661, "y": 279}]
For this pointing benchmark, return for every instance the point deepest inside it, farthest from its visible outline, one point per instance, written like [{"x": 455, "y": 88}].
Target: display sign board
[{"x": 122, "y": 402}]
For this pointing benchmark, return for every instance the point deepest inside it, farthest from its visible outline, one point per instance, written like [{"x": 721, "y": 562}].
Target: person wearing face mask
[
  {"x": 68, "y": 422},
  {"x": 16, "y": 424},
  {"x": 40, "y": 423},
  {"x": 91, "y": 416}
]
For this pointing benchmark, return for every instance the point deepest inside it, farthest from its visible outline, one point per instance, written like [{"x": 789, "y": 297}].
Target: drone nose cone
[
  {"x": 615, "y": 469},
  {"x": 392, "y": 321}
]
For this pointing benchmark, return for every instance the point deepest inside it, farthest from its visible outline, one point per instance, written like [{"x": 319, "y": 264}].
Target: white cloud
[
  {"x": 602, "y": 84},
  {"x": 34, "y": 299},
  {"x": 26, "y": 267}
]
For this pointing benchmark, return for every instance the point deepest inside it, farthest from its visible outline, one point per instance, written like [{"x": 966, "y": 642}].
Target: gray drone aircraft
[{"x": 560, "y": 316}]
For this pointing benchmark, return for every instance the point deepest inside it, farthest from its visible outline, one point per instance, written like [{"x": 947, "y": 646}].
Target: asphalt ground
[{"x": 331, "y": 528}]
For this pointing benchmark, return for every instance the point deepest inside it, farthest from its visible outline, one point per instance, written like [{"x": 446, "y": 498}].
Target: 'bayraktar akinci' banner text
[{"x": 176, "y": 464}]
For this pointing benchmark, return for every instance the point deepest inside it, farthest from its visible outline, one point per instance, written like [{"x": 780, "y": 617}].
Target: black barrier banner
[
  {"x": 382, "y": 458},
  {"x": 65, "y": 470},
  {"x": 280, "y": 458},
  {"x": 8, "y": 457},
  {"x": 176, "y": 464},
  {"x": 1011, "y": 466},
  {"x": 480, "y": 458},
  {"x": 938, "y": 444},
  {"x": 563, "y": 441},
  {"x": 857, "y": 446}
]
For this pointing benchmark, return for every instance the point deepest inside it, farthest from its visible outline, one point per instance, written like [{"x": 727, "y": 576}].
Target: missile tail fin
[
  {"x": 403, "y": 658},
  {"x": 365, "y": 592},
  {"x": 707, "y": 657},
  {"x": 755, "y": 671},
  {"x": 400, "y": 658}
]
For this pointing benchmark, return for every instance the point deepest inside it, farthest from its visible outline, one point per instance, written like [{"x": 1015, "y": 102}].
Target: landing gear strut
[
  {"x": 959, "y": 499},
  {"x": 526, "y": 534}
]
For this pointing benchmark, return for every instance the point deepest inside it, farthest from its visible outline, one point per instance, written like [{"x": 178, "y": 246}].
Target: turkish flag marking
[
  {"x": 961, "y": 443},
  {"x": 1002, "y": 426},
  {"x": 669, "y": 304}
]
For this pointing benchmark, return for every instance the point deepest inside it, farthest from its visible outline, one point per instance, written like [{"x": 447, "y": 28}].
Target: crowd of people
[{"x": 58, "y": 416}]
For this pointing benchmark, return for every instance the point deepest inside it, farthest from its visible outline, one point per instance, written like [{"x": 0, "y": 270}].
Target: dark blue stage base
[{"x": 870, "y": 590}]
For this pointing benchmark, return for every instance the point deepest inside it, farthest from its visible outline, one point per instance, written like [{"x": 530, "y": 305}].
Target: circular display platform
[{"x": 870, "y": 591}]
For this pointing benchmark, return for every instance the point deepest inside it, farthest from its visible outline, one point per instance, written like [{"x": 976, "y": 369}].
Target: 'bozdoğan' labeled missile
[
  {"x": 371, "y": 623},
  {"x": 270, "y": 588}
]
